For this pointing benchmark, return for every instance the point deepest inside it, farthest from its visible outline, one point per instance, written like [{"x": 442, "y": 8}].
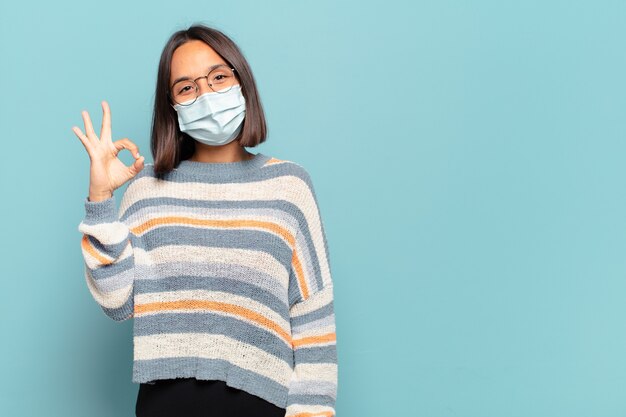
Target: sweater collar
[{"x": 223, "y": 170}]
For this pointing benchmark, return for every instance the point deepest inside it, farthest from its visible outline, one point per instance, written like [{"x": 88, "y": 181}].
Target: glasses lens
[
  {"x": 221, "y": 79},
  {"x": 184, "y": 92}
]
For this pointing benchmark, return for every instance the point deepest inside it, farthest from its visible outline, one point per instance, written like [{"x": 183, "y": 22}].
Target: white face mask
[{"x": 214, "y": 118}]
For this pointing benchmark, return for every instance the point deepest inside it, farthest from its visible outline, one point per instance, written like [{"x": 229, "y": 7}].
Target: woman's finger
[
  {"x": 137, "y": 165},
  {"x": 105, "y": 132},
  {"x": 125, "y": 143},
  {"x": 84, "y": 139},
  {"x": 88, "y": 126}
]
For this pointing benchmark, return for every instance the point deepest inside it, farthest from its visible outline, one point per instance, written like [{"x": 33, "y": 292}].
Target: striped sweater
[{"x": 224, "y": 268}]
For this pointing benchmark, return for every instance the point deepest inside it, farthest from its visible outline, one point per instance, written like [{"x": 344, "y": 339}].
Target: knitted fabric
[{"x": 224, "y": 269}]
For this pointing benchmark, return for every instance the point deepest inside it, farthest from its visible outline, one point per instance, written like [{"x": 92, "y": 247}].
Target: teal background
[{"x": 468, "y": 159}]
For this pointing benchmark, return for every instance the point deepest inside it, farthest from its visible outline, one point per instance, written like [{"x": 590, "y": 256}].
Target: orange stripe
[
  {"x": 311, "y": 340},
  {"x": 273, "y": 161},
  {"x": 295, "y": 262},
  {"x": 217, "y": 306},
  {"x": 158, "y": 221},
  {"x": 90, "y": 249},
  {"x": 322, "y": 413}
]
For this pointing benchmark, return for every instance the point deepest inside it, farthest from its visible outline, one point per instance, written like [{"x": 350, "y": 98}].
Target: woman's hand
[{"x": 107, "y": 172}]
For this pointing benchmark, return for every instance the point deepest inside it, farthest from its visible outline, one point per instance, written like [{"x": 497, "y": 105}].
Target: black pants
[{"x": 191, "y": 397}]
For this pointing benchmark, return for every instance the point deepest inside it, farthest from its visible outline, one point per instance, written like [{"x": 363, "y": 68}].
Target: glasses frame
[{"x": 169, "y": 91}]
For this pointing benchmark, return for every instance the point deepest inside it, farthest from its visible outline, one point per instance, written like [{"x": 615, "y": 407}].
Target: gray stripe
[
  {"x": 210, "y": 369},
  {"x": 114, "y": 282},
  {"x": 239, "y": 273},
  {"x": 325, "y": 400},
  {"x": 255, "y": 240},
  {"x": 213, "y": 283},
  {"x": 313, "y": 388},
  {"x": 112, "y": 270},
  {"x": 100, "y": 211},
  {"x": 305, "y": 254},
  {"x": 208, "y": 322},
  {"x": 207, "y": 205},
  {"x": 315, "y": 324},
  {"x": 113, "y": 250},
  {"x": 310, "y": 255},
  {"x": 267, "y": 172},
  {"x": 318, "y": 313},
  {"x": 316, "y": 354}
]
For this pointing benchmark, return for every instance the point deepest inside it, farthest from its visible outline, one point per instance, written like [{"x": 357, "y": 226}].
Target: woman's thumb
[{"x": 137, "y": 165}]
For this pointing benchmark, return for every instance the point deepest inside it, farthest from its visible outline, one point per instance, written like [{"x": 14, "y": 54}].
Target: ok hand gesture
[{"x": 107, "y": 172}]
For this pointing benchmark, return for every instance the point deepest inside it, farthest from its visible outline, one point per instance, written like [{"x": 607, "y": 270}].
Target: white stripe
[
  {"x": 315, "y": 372},
  {"x": 259, "y": 260},
  {"x": 212, "y": 346},
  {"x": 316, "y": 388},
  {"x": 314, "y": 332},
  {"x": 107, "y": 233}
]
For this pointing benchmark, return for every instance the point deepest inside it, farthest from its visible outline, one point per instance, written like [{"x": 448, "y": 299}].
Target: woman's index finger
[{"x": 105, "y": 131}]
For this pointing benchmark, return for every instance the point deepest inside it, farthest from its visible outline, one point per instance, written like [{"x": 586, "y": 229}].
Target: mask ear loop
[{"x": 237, "y": 78}]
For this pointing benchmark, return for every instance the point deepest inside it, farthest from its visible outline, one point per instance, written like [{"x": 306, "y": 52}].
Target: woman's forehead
[{"x": 192, "y": 58}]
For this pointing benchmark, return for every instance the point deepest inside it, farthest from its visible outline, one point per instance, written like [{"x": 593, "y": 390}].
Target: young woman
[{"x": 219, "y": 255}]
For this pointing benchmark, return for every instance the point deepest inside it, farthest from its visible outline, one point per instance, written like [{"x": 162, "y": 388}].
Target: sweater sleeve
[
  {"x": 313, "y": 386},
  {"x": 109, "y": 262}
]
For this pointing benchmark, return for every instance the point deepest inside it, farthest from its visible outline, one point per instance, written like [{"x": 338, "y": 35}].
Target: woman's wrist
[{"x": 99, "y": 196}]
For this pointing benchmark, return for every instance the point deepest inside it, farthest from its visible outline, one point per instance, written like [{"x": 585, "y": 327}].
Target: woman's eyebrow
[{"x": 188, "y": 78}]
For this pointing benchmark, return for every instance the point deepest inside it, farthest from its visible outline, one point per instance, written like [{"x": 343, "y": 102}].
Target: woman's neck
[{"x": 232, "y": 152}]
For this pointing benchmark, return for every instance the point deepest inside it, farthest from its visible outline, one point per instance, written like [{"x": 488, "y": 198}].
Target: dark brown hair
[{"x": 168, "y": 144}]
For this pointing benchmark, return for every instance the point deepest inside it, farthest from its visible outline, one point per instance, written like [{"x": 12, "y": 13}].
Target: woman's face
[{"x": 193, "y": 59}]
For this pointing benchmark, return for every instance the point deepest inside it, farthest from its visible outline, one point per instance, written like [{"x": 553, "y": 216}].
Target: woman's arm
[
  {"x": 106, "y": 242},
  {"x": 313, "y": 385},
  {"x": 108, "y": 257}
]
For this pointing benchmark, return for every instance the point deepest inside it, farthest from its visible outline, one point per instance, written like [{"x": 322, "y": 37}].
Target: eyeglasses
[{"x": 220, "y": 79}]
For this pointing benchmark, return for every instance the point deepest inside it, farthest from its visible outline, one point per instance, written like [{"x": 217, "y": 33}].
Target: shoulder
[
  {"x": 148, "y": 170},
  {"x": 294, "y": 171},
  {"x": 298, "y": 184}
]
